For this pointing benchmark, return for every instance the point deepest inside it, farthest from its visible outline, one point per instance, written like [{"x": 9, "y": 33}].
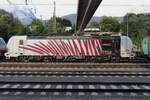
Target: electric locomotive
[
  {"x": 146, "y": 47},
  {"x": 68, "y": 48},
  {"x": 2, "y": 48}
]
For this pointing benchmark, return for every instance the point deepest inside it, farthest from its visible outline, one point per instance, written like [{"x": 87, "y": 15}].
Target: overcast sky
[{"x": 64, "y": 7}]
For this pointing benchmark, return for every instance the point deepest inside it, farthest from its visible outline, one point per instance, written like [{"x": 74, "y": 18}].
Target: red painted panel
[
  {"x": 81, "y": 47},
  {"x": 36, "y": 48},
  {"x": 55, "y": 48},
  {"x": 42, "y": 48},
  {"x": 31, "y": 49},
  {"x": 45, "y": 47},
  {"x": 52, "y": 49},
  {"x": 86, "y": 47},
  {"x": 72, "y": 47},
  {"x": 58, "y": 47}
]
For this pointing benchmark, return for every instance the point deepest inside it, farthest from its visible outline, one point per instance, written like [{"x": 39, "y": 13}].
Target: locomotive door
[
  {"x": 21, "y": 42},
  {"x": 107, "y": 46},
  {"x": 116, "y": 46}
]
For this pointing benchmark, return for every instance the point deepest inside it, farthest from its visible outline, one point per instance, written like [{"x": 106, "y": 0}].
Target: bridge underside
[{"x": 86, "y": 9}]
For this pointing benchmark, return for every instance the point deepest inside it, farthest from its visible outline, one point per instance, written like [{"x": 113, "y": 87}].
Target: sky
[{"x": 65, "y": 7}]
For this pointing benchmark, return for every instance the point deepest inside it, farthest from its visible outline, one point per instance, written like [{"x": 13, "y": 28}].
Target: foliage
[
  {"x": 109, "y": 24},
  {"x": 61, "y": 24},
  {"x": 12, "y": 26},
  {"x": 138, "y": 27},
  {"x": 36, "y": 27},
  {"x": 17, "y": 28},
  {"x": 66, "y": 22},
  {"x": 8, "y": 25},
  {"x": 93, "y": 24}
]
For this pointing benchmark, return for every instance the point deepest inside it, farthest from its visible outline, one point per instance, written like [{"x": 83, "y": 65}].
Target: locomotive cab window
[{"x": 21, "y": 42}]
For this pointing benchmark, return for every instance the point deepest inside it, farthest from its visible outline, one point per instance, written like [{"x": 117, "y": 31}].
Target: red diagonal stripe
[
  {"x": 85, "y": 42},
  {"x": 94, "y": 46},
  {"x": 76, "y": 48},
  {"x": 55, "y": 48},
  {"x": 36, "y": 48},
  {"x": 71, "y": 48},
  {"x": 82, "y": 51},
  {"x": 51, "y": 47},
  {"x": 59, "y": 48},
  {"x": 97, "y": 47},
  {"x": 100, "y": 46},
  {"x": 65, "y": 44},
  {"x": 63, "y": 47},
  {"x": 89, "y": 43},
  {"x": 31, "y": 49},
  {"x": 41, "y": 48},
  {"x": 46, "y": 48}
]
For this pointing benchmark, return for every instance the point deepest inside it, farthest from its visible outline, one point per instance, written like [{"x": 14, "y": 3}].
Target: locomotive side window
[
  {"x": 3, "y": 42},
  {"x": 145, "y": 42},
  {"x": 21, "y": 42},
  {"x": 116, "y": 46}
]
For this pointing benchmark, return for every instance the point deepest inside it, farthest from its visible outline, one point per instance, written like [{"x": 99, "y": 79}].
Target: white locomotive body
[
  {"x": 22, "y": 45},
  {"x": 69, "y": 46}
]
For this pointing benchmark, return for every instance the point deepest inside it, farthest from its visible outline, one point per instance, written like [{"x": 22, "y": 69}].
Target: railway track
[
  {"x": 74, "y": 87},
  {"x": 137, "y": 90},
  {"x": 87, "y": 91},
  {"x": 72, "y": 81},
  {"x": 75, "y": 73},
  {"x": 76, "y": 68}
]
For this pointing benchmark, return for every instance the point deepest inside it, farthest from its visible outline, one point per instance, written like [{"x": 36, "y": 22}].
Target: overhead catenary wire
[
  {"x": 46, "y": 4},
  {"x": 30, "y": 4}
]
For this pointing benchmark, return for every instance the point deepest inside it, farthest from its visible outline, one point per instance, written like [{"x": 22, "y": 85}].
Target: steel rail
[
  {"x": 83, "y": 87},
  {"x": 41, "y": 63},
  {"x": 75, "y": 90},
  {"x": 75, "y": 68},
  {"x": 78, "y": 73}
]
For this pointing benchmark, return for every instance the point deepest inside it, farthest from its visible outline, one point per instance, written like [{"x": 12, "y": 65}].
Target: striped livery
[
  {"x": 54, "y": 46},
  {"x": 63, "y": 47},
  {"x": 68, "y": 48}
]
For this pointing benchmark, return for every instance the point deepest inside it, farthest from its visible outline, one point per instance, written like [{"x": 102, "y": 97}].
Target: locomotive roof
[{"x": 69, "y": 37}]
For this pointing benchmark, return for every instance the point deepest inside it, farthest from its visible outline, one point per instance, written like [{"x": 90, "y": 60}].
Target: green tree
[
  {"x": 6, "y": 23},
  {"x": 9, "y": 25},
  {"x": 17, "y": 28},
  {"x": 109, "y": 24},
  {"x": 36, "y": 27},
  {"x": 61, "y": 24},
  {"x": 137, "y": 27},
  {"x": 66, "y": 22}
]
